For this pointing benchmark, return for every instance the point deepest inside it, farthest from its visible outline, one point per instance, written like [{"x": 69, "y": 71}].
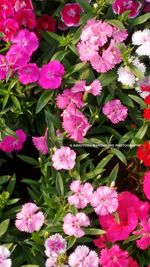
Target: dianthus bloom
[
  {"x": 64, "y": 158},
  {"x": 9, "y": 28},
  {"x": 17, "y": 57},
  {"x": 3, "y": 67},
  {"x": 11, "y": 143},
  {"x": 146, "y": 185},
  {"x": 142, "y": 39},
  {"x": 51, "y": 75},
  {"x": 73, "y": 224},
  {"x": 144, "y": 232},
  {"x": 82, "y": 194},
  {"x": 26, "y": 18},
  {"x": 143, "y": 153},
  {"x": 68, "y": 97},
  {"x": 146, "y": 114},
  {"x": 75, "y": 123},
  {"x": 114, "y": 257},
  {"x": 4, "y": 257},
  {"x": 94, "y": 88},
  {"x": 83, "y": 256},
  {"x": 115, "y": 111},
  {"x": 121, "y": 6},
  {"x": 29, "y": 73},
  {"x": 55, "y": 245},
  {"x": 46, "y": 23},
  {"x": 98, "y": 45},
  {"x": 104, "y": 200},
  {"x": 70, "y": 14},
  {"x": 143, "y": 88},
  {"x": 29, "y": 219},
  {"x": 19, "y": 4},
  {"x": 41, "y": 143}
]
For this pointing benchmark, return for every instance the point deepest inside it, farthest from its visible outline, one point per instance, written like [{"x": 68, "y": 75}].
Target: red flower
[
  {"x": 146, "y": 113},
  {"x": 145, "y": 87},
  {"x": 46, "y": 23},
  {"x": 6, "y": 9},
  {"x": 9, "y": 28},
  {"x": 147, "y": 100},
  {"x": 143, "y": 153},
  {"x": 70, "y": 14},
  {"x": 21, "y": 4},
  {"x": 121, "y": 6},
  {"x": 26, "y": 18}
]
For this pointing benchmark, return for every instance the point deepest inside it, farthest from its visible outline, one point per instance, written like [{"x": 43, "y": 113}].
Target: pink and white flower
[
  {"x": 70, "y": 14},
  {"x": 4, "y": 257},
  {"x": 121, "y": 6},
  {"x": 64, "y": 158},
  {"x": 55, "y": 245}
]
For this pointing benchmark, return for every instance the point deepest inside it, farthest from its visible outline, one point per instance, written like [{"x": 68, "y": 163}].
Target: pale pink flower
[
  {"x": 115, "y": 111},
  {"x": 82, "y": 194},
  {"x": 94, "y": 88},
  {"x": 64, "y": 158},
  {"x": 144, "y": 232},
  {"x": 3, "y": 67},
  {"x": 41, "y": 144},
  {"x": 83, "y": 257},
  {"x": 11, "y": 143},
  {"x": 27, "y": 40},
  {"x": 73, "y": 224},
  {"x": 51, "y": 262},
  {"x": 119, "y": 35},
  {"x": 104, "y": 200},
  {"x": 51, "y": 75},
  {"x": 29, "y": 73},
  {"x": 55, "y": 245},
  {"x": 87, "y": 51},
  {"x": 146, "y": 185},
  {"x": 29, "y": 219},
  {"x": 67, "y": 97},
  {"x": 114, "y": 257},
  {"x": 17, "y": 57},
  {"x": 75, "y": 123},
  {"x": 4, "y": 257}
]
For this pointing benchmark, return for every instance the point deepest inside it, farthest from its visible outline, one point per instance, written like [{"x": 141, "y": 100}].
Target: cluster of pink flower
[
  {"x": 115, "y": 111},
  {"x": 98, "y": 45},
  {"x": 74, "y": 121},
  {"x": 13, "y": 143}
]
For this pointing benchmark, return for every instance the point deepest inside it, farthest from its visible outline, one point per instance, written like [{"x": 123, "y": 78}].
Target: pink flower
[
  {"x": 104, "y": 200},
  {"x": 75, "y": 123},
  {"x": 64, "y": 158},
  {"x": 17, "y": 57},
  {"x": 94, "y": 88},
  {"x": 29, "y": 219},
  {"x": 11, "y": 143},
  {"x": 67, "y": 97},
  {"x": 132, "y": 263},
  {"x": 19, "y": 4},
  {"x": 114, "y": 257},
  {"x": 27, "y": 40},
  {"x": 101, "y": 241},
  {"x": 6, "y": 9},
  {"x": 146, "y": 185},
  {"x": 41, "y": 144},
  {"x": 70, "y": 14},
  {"x": 83, "y": 257},
  {"x": 29, "y": 73},
  {"x": 73, "y": 223},
  {"x": 9, "y": 28},
  {"x": 51, "y": 75},
  {"x": 82, "y": 194},
  {"x": 26, "y": 18},
  {"x": 55, "y": 245},
  {"x": 144, "y": 235},
  {"x": 119, "y": 35},
  {"x": 3, "y": 67},
  {"x": 4, "y": 257},
  {"x": 51, "y": 262},
  {"x": 120, "y": 6},
  {"x": 115, "y": 111}
]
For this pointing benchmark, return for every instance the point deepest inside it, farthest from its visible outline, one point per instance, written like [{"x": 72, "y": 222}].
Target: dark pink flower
[
  {"x": 46, "y": 23},
  {"x": 21, "y": 4},
  {"x": 6, "y": 9},
  {"x": 3, "y": 67},
  {"x": 144, "y": 235},
  {"x": 70, "y": 14},
  {"x": 9, "y": 28},
  {"x": 29, "y": 73},
  {"x": 68, "y": 97},
  {"x": 51, "y": 75},
  {"x": 94, "y": 88},
  {"x": 26, "y": 18},
  {"x": 120, "y": 6},
  {"x": 146, "y": 185},
  {"x": 17, "y": 57},
  {"x": 11, "y": 143},
  {"x": 41, "y": 144},
  {"x": 114, "y": 257}
]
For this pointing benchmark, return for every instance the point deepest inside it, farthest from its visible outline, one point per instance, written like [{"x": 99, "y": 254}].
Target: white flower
[
  {"x": 139, "y": 65},
  {"x": 142, "y": 39},
  {"x": 125, "y": 76}
]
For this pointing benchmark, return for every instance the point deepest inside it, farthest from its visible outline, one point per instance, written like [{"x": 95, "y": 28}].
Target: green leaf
[
  {"x": 125, "y": 99},
  {"x": 116, "y": 23},
  {"x": 72, "y": 240},
  {"x": 113, "y": 175},
  {"x": 59, "y": 55},
  {"x": 85, "y": 5},
  {"x": 16, "y": 102},
  {"x": 108, "y": 78},
  {"x": 37, "y": 238},
  {"x": 105, "y": 161},
  {"x": 137, "y": 72},
  {"x": 138, "y": 100},
  {"x": 97, "y": 171},
  {"x": 3, "y": 227},
  {"x": 94, "y": 231},
  {"x": 59, "y": 184},
  {"x": 141, "y": 133},
  {"x": 139, "y": 20},
  {"x": 131, "y": 238},
  {"x": 11, "y": 184},
  {"x": 43, "y": 100},
  {"x": 119, "y": 155},
  {"x": 4, "y": 179},
  {"x": 29, "y": 160},
  {"x": 29, "y": 265},
  {"x": 50, "y": 118}
]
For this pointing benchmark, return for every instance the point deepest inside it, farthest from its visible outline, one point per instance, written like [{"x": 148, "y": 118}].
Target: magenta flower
[
  {"x": 68, "y": 97},
  {"x": 83, "y": 256},
  {"x": 41, "y": 144},
  {"x": 70, "y": 14},
  {"x": 9, "y": 28},
  {"x": 115, "y": 111},
  {"x": 11, "y": 143},
  {"x": 27, "y": 40},
  {"x": 75, "y": 123},
  {"x": 19, "y": 4},
  {"x": 6, "y": 9},
  {"x": 64, "y": 158},
  {"x": 26, "y": 18},
  {"x": 82, "y": 194},
  {"x": 55, "y": 245},
  {"x": 104, "y": 200},
  {"x": 114, "y": 257},
  {"x": 73, "y": 224},
  {"x": 29, "y": 219},
  {"x": 120, "y": 6},
  {"x": 144, "y": 232},
  {"x": 17, "y": 57},
  {"x": 146, "y": 185},
  {"x": 51, "y": 75},
  {"x": 94, "y": 88},
  {"x": 29, "y": 73},
  {"x": 3, "y": 67},
  {"x": 4, "y": 257}
]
